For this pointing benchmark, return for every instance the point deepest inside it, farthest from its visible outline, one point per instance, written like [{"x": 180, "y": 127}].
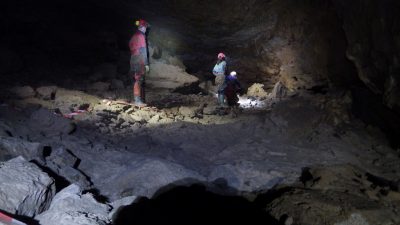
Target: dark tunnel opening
[{"x": 193, "y": 205}]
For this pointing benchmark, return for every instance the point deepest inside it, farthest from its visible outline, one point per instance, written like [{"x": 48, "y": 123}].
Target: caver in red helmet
[
  {"x": 142, "y": 23},
  {"x": 221, "y": 55}
]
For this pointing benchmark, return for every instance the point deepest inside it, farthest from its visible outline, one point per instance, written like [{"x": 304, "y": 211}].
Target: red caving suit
[{"x": 139, "y": 59}]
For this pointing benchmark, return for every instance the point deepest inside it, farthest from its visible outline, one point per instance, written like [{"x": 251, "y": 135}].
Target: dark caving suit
[
  {"x": 139, "y": 61},
  {"x": 231, "y": 88}
]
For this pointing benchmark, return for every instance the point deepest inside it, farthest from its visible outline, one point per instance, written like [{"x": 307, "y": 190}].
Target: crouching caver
[
  {"x": 231, "y": 90},
  {"x": 139, "y": 61}
]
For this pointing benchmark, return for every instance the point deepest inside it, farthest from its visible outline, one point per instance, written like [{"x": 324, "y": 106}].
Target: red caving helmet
[
  {"x": 221, "y": 55},
  {"x": 142, "y": 23}
]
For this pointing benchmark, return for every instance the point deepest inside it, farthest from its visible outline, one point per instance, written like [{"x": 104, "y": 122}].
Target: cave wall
[
  {"x": 305, "y": 47},
  {"x": 304, "y": 43},
  {"x": 264, "y": 38},
  {"x": 372, "y": 30},
  {"x": 300, "y": 43}
]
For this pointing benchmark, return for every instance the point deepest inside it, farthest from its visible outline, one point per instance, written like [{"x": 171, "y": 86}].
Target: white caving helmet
[{"x": 233, "y": 73}]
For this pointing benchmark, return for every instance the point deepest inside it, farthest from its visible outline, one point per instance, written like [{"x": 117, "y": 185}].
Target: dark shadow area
[
  {"x": 370, "y": 109},
  {"x": 41, "y": 39},
  {"x": 305, "y": 175},
  {"x": 193, "y": 205},
  {"x": 382, "y": 182},
  {"x": 60, "y": 181},
  {"x": 319, "y": 89},
  {"x": 46, "y": 151},
  {"x": 96, "y": 195},
  {"x": 190, "y": 89}
]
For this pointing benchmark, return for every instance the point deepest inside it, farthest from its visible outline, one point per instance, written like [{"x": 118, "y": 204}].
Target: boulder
[
  {"x": 24, "y": 189},
  {"x": 278, "y": 92},
  {"x": 47, "y": 92},
  {"x": 71, "y": 207},
  {"x": 166, "y": 76},
  {"x": 62, "y": 158},
  {"x": 23, "y": 92},
  {"x": 14, "y": 147},
  {"x": 65, "y": 164},
  {"x": 257, "y": 90}
]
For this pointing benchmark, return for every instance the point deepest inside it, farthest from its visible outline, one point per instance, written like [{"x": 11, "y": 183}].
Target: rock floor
[{"x": 121, "y": 150}]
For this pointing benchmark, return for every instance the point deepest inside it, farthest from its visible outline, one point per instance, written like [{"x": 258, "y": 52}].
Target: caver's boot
[
  {"x": 221, "y": 99},
  {"x": 139, "y": 102},
  {"x": 137, "y": 91}
]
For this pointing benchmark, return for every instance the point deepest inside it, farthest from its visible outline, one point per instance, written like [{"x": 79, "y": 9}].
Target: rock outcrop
[
  {"x": 47, "y": 92},
  {"x": 14, "y": 147},
  {"x": 24, "y": 189},
  {"x": 169, "y": 77},
  {"x": 65, "y": 164},
  {"x": 257, "y": 90},
  {"x": 338, "y": 195},
  {"x": 71, "y": 207}
]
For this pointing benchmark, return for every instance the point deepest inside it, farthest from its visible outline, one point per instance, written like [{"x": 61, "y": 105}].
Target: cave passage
[{"x": 313, "y": 138}]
